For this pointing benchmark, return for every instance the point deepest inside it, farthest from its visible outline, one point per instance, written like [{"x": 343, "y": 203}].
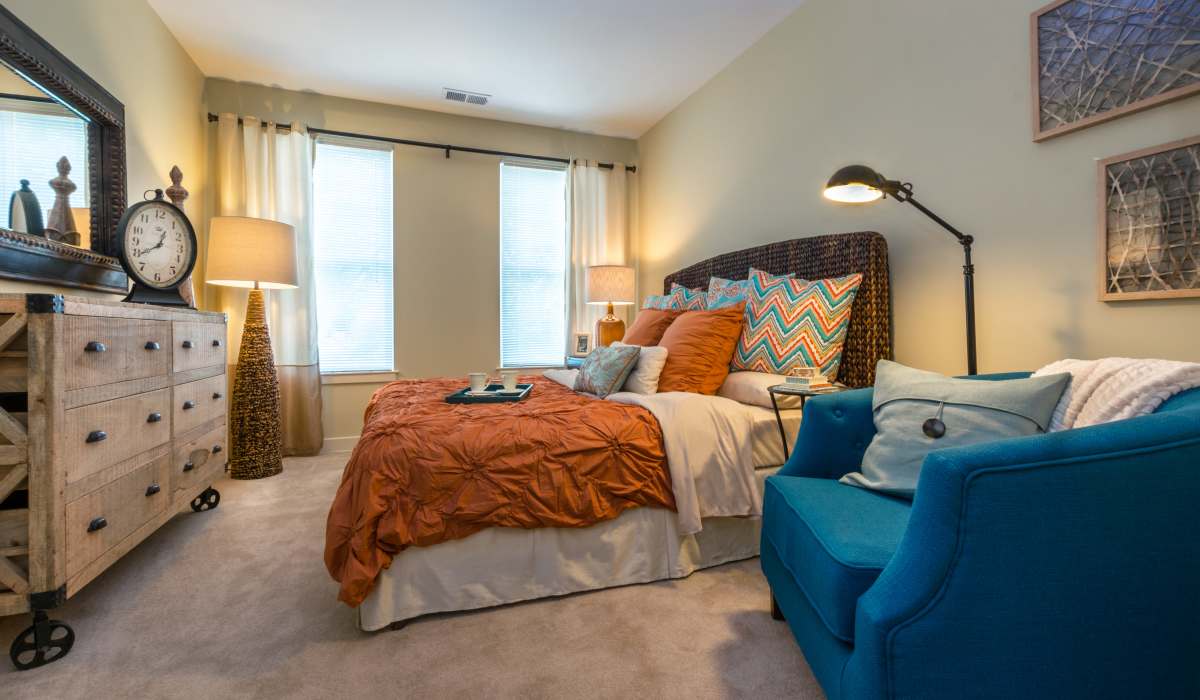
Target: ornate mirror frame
[{"x": 37, "y": 259}]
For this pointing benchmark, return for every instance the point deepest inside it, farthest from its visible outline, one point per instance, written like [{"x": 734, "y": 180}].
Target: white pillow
[
  {"x": 644, "y": 377},
  {"x": 751, "y": 388}
]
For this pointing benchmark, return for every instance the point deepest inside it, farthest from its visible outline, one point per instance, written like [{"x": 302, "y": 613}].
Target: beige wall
[
  {"x": 126, "y": 48},
  {"x": 936, "y": 93},
  {"x": 446, "y": 219}
]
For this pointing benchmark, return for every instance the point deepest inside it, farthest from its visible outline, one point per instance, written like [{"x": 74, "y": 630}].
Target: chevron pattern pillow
[
  {"x": 684, "y": 299},
  {"x": 794, "y": 323}
]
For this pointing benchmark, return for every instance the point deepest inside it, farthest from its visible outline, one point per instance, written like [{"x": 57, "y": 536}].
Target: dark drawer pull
[
  {"x": 216, "y": 343},
  {"x": 95, "y": 346},
  {"x": 97, "y": 524},
  {"x": 216, "y": 395},
  {"x": 97, "y": 436},
  {"x": 188, "y": 466},
  {"x": 152, "y": 345},
  {"x": 152, "y": 489},
  {"x": 188, "y": 345},
  {"x": 154, "y": 417},
  {"x": 216, "y": 449},
  {"x": 189, "y": 405}
]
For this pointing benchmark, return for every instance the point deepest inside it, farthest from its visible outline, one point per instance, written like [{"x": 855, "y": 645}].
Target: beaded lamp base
[{"x": 254, "y": 427}]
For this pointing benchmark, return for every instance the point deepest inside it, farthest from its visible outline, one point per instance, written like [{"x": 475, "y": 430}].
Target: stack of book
[{"x": 816, "y": 383}]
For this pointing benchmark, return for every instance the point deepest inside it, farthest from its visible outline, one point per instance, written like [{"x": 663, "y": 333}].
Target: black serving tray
[{"x": 461, "y": 395}]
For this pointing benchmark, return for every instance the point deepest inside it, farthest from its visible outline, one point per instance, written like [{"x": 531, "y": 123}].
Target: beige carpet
[{"x": 236, "y": 603}]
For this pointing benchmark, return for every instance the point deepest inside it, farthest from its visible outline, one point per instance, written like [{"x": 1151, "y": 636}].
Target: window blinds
[
  {"x": 352, "y": 212},
  {"x": 32, "y": 139},
  {"x": 533, "y": 265}
]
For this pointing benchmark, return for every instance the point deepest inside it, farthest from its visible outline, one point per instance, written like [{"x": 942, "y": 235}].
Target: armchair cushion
[{"x": 834, "y": 540}]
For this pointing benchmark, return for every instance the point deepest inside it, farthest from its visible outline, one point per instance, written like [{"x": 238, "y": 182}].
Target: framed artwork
[
  {"x": 1095, "y": 60},
  {"x": 1149, "y": 214},
  {"x": 582, "y": 344}
]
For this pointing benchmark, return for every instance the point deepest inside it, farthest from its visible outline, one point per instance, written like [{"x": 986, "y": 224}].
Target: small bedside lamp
[
  {"x": 255, "y": 254},
  {"x": 610, "y": 284}
]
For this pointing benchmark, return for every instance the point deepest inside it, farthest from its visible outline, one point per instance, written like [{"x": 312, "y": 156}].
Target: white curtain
[
  {"x": 265, "y": 173},
  {"x": 603, "y": 232}
]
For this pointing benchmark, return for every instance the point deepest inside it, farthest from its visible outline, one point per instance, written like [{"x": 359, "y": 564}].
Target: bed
[{"x": 708, "y": 516}]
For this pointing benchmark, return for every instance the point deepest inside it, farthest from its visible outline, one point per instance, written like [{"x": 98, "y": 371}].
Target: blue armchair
[{"x": 1064, "y": 565}]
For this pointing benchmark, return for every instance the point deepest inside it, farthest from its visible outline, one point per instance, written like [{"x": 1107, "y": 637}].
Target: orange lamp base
[{"x": 609, "y": 329}]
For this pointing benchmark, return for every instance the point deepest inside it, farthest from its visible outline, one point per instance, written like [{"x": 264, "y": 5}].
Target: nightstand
[{"x": 803, "y": 393}]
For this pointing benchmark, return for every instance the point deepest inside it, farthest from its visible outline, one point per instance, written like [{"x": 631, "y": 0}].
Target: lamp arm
[{"x": 902, "y": 192}]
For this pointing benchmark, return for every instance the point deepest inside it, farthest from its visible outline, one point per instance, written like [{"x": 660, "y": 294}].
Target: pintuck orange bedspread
[{"x": 426, "y": 471}]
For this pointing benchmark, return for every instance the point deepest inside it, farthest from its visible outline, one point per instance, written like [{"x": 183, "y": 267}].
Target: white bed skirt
[{"x": 507, "y": 565}]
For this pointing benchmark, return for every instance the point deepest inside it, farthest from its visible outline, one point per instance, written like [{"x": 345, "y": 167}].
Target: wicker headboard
[{"x": 870, "y": 336}]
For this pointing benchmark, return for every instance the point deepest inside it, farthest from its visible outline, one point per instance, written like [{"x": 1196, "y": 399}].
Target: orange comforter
[{"x": 426, "y": 471}]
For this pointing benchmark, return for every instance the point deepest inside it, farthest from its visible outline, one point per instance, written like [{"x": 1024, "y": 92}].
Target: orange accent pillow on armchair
[
  {"x": 649, "y": 326},
  {"x": 699, "y": 346}
]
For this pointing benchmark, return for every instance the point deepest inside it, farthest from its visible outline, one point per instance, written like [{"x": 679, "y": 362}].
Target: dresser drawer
[
  {"x": 198, "y": 345},
  {"x": 198, "y": 402},
  {"x": 198, "y": 462},
  {"x": 101, "y": 519},
  {"x": 100, "y": 350},
  {"x": 105, "y": 433}
]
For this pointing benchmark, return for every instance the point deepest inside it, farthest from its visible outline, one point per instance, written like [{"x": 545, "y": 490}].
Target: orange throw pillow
[
  {"x": 649, "y": 326},
  {"x": 699, "y": 346}
]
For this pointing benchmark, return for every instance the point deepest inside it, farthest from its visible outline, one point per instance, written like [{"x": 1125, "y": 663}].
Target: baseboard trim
[{"x": 339, "y": 444}]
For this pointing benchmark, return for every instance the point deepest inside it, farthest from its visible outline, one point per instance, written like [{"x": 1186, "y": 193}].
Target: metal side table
[{"x": 803, "y": 393}]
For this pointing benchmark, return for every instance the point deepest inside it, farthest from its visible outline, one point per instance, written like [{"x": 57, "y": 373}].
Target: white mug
[
  {"x": 479, "y": 380},
  {"x": 509, "y": 377}
]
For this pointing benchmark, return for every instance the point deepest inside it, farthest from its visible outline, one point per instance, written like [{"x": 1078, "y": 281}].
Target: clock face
[{"x": 159, "y": 245}]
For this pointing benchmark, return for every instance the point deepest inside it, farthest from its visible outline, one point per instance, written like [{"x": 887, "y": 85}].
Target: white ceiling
[{"x": 612, "y": 67}]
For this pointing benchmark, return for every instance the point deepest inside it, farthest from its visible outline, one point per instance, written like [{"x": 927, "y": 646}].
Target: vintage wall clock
[{"x": 156, "y": 245}]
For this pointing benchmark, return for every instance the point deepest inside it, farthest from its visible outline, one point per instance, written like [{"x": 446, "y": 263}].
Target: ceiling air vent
[{"x": 471, "y": 98}]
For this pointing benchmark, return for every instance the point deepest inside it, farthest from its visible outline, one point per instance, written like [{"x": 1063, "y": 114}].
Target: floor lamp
[
  {"x": 859, "y": 184},
  {"x": 255, "y": 254}
]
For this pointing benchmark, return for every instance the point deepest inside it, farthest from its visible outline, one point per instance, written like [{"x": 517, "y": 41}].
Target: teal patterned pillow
[
  {"x": 606, "y": 368},
  {"x": 723, "y": 292},
  {"x": 657, "y": 301}
]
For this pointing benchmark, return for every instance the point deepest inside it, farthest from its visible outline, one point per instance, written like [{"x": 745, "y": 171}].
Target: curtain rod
[{"x": 439, "y": 146}]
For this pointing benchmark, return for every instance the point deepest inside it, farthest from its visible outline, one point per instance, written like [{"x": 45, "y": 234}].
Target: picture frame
[
  {"x": 581, "y": 344},
  {"x": 1148, "y": 240},
  {"x": 1147, "y": 53}
]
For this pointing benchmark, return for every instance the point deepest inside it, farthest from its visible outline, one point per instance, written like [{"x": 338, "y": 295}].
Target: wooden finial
[{"x": 177, "y": 193}]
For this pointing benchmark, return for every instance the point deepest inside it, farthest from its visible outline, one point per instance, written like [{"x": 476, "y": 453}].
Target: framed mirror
[{"x": 51, "y": 110}]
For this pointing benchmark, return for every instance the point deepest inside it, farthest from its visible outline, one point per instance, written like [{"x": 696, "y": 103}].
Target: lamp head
[{"x": 856, "y": 184}]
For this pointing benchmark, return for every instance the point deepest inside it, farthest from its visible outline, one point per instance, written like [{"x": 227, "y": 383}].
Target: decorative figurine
[
  {"x": 61, "y": 224},
  {"x": 178, "y": 194}
]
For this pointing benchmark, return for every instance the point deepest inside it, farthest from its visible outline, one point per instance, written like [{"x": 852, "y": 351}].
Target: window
[
  {"x": 533, "y": 265},
  {"x": 33, "y": 136},
  {"x": 352, "y": 214}
]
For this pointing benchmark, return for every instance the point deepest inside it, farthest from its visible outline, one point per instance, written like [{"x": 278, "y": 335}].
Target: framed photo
[
  {"x": 1095, "y": 60},
  {"x": 1149, "y": 223},
  {"x": 581, "y": 344}
]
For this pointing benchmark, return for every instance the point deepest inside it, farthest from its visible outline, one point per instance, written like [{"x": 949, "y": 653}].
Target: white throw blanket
[
  {"x": 709, "y": 446},
  {"x": 1116, "y": 388}
]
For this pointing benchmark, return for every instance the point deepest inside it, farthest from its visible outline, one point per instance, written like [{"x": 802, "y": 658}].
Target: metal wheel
[
  {"x": 208, "y": 499},
  {"x": 46, "y": 641}
]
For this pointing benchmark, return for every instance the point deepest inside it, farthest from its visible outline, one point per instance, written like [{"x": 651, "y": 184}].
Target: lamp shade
[
  {"x": 854, "y": 184},
  {"x": 243, "y": 252},
  {"x": 610, "y": 284}
]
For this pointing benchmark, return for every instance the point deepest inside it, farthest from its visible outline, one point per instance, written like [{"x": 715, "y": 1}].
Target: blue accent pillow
[
  {"x": 606, "y": 368},
  {"x": 723, "y": 292},
  {"x": 657, "y": 301},
  {"x": 917, "y": 412}
]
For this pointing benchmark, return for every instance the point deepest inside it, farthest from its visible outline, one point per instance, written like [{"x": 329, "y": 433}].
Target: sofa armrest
[
  {"x": 834, "y": 434},
  {"x": 1027, "y": 559}
]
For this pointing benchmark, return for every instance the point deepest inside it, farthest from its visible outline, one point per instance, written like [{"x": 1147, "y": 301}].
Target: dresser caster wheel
[
  {"x": 46, "y": 641},
  {"x": 208, "y": 499}
]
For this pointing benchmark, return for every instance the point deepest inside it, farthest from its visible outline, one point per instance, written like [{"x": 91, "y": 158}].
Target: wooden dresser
[{"x": 112, "y": 420}]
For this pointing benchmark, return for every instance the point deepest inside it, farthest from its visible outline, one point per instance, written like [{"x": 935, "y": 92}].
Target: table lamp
[
  {"x": 255, "y": 254},
  {"x": 859, "y": 184},
  {"x": 609, "y": 284}
]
